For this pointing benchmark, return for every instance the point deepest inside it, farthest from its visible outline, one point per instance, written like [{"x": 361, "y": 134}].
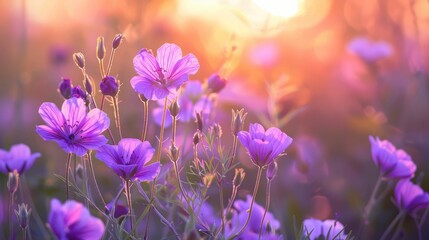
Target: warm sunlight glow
[{"x": 281, "y": 8}]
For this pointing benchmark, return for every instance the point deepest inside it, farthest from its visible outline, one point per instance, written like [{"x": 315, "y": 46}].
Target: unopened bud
[
  {"x": 238, "y": 177},
  {"x": 217, "y": 130},
  {"x": 79, "y": 59},
  {"x": 238, "y": 117},
  {"x": 117, "y": 40},
  {"x": 174, "y": 108},
  {"x": 109, "y": 86},
  {"x": 196, "y": 138},
  {"x": 101, "y": 49},
  {"x": 65, "y": 88},
  {"x": 88, "y": 84},
  {"x": 120, "y": 210},
  {"x": 174, "y": 152},
  {"x": 79, "y": 171},
  {"x": 215, "y": 83},
  {"x": 13, "y": 181},
  {"x": 199, "y": 121},
  {"x": 272, "y": 170},
  {"x": 77, "y": 92},
  {"x": 23, "y": 215}
]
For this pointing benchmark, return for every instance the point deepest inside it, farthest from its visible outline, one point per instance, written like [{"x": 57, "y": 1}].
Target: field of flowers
[{"x": 211, "y": 119}]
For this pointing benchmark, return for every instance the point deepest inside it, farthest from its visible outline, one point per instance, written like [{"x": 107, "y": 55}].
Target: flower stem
[
  {"x": 102, "y": 72},
  {"x": 130, "y": 203},
  {"x": 176, "y": 169},
  {"x": 109, "y": 65},
  {"x": 67, "y": 175},
  {"x": 255, "y": 191},
  {"x": 117, "y": 117},
  {"x": 267, "y": 206},
  {"x": 234, "y": 150},
  {"x": 398, "y": 217},
  {"x": 372, "y": 201},
  {"x": 95, "y": 179},
  {"x": 161, "y": 134},
  {"x": 12, "y": 199},
  {"x": 145, "y": 119},
  {"x": 174, "y": 129},
  {"x": 222, "y": 212},
  {"x": 102, "y": 102},
  {"x": 85, "y": 185}
]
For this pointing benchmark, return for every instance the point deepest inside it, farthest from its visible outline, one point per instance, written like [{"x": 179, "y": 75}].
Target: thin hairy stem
[
  {"x": 109, "y": 65},
  {"x": 419, "y": 230},
  {"x": 103, "y": 97},
  {"x": 255, "y": 191},
  {"x": 130, "y": 203},
  {"x": 11, "y": 200},
  {"x": 174, "y": 130},
  {"x": 234, "y": 150},
  {"x": 67, "y": 175},
  {"x": 222, "y": 212},
  {"x": 372, "y": 201},
  {"x": 423, "y": 219},
  {"x": 95, "y": 179},
  {"x": 399, "y": 227},
  {"x": 117, "y": 117},
  {"x": 161, "y": 134},
  {"x": 145, "y": 119},
  {"x": 267, "y": 206},
  {"x": 179, "y": 183},
  {"x": 85, "y": 185},
  {"x": 398, "y": 217},
  {"x": 101, "y": 65},
  {"x": 111, "y": 136}
]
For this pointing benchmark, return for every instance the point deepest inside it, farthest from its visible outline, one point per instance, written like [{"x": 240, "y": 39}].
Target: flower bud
[
  {"x": 174, "y": 108},
  {"x": 79, "y": 171},
  {"x": 77, "y": 92},
  {"x": 79, "y": 59},
  {"x": 196, "y": 138},
  {"x": 13, "y": 181},
  {"x": 120, "y": 209},
  {"x": 117, "y": 40},
  {"x": 199, "y": 121},
  {"x": 109, "y": 86},
  {"x": 272, "y": 170},
  {"x": 100, "y": 50},
  {"x": 65, "y": 88},
  {"x": 217, "y": 130},
  {"x": 215, "y": 83},
  {"x": 238, "y": 177},
  {"x": 23, "y": 215},
  {"x": 174, "y": 152},
  {"x": 238, "y": 117},
  {"x": 88, "y": 84},
  {"x": 143, "y": 98}
]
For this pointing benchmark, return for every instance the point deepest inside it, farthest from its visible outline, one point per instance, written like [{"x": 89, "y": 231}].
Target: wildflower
[
  {"x": 73, "y": 221},
  {"x": 392, "y": 162},
  {"x": 128, "y": 159},
  {"x": 410, "y": 197},
  {"x": 75, "y": 130},
  {"x": 264, "y": 146},
  {"x": 270, "y": 226},
  {"x": 329, "y": 229},
  {"x": 19, "y": 158},
  {"x": 160, "y": 76},
  {"x": 109, "y": 86},
  {"x": 215, "y": 83},
  {"x": 368, "y": 50}
]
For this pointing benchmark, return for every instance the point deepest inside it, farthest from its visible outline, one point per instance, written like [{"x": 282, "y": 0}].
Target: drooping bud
[
  {"x": 196, "y": 138},
  {"x": 79, "y": 171},
  {"x": 101, "y": 49},
  {"x": 120, "y": 209},
  {"x": 238, "y": 177},
  {"x": 272, "y": 170},
  {"x": 117, "y": 40},
  {"x": 199, "y": 121},
  {"x": 13, "y": 181},
  {"x": 143, "y": 98},
  {"x": 88, "y": 84},
  {"x": 174, "y": 108},
  {"x": 174, "y": 153},
  {"x": 79, "y": 59},
  {"x": 23, "y": 215},
  {"x": 238, "y": 117},
  {"x": 65, "y": 88},
  {"x": 77, "y": 92},
  {"x": 109, "y": 86},
  {"x": 215, "y": 83}
]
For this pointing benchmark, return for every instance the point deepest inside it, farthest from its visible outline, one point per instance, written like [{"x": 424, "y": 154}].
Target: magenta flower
[
  {"x": 410, "y": 197},
  {"x": 19, "y": 158},
  {"x": 128, "y": 159},
  {"x": 368, "y": 50},
  {"x": 160, "y": 76},
  {"x": 239, "y": 217},
  {"x": 329, "y": 229},
  {"x": 73, "y": 221},
  {"x": 264, "y": 146},
  {"x": 75, "y": 130},
  {"x": 393, "y": 163}
]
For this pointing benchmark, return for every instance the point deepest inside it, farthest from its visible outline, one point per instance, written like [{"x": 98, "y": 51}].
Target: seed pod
[
  {"x": 117, "y": 40},
  {"x": 101, "y": 49},
  {"x": 79, "y": 59}
]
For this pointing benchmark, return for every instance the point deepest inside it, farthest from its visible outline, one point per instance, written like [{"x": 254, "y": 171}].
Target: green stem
[
  {"x": 267, "y": 206},
  {"x": 255, "y": 191},
  {"x": 95, "y": 179}
]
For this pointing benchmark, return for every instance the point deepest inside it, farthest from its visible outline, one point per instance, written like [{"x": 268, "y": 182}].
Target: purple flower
[
  {"x": 215, "y": 83},
  {"x": 393, "y": 163},
  {"x": 264, "y": 146},
  {"x": 120, "y": 209},
  {"x": 19, "y": 158},
  {"x": 75, "y": 130},
  {"x": 160, "y": 76},
  {"x": 410, "y": 197},
  {"x": 330, "y": 229},
  {"x": 369, "y": 51},
  {"x": 65, "y": 88},
  {"x": 73, "y": 221},
  {"x": 128, "y": 159},
  {"x": 239, "y": 217}
]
